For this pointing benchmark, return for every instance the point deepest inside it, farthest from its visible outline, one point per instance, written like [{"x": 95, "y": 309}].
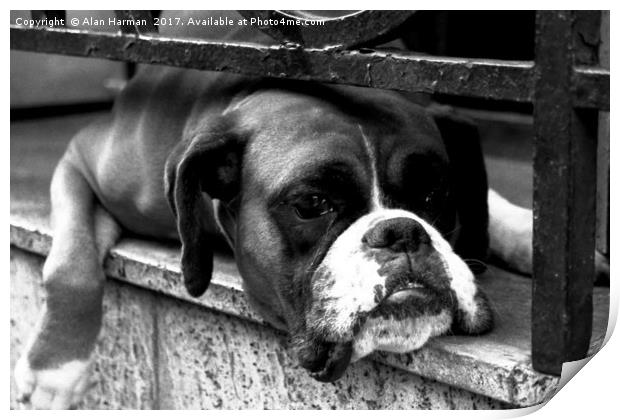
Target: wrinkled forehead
[
  {"x": 292, "y": 133},
  {"x": 291, "y": 116},
  {"x": 277, "y": 159}
]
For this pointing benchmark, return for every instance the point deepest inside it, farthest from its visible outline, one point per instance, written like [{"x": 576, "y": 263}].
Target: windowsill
[{"x": 496, "y": 365}]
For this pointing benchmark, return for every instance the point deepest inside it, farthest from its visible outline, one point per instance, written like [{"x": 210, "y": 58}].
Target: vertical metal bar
[
  {"x": 564, "y": 201},
  {"x": 136, "y": 16},
  {"x": 602, "y": 185}
]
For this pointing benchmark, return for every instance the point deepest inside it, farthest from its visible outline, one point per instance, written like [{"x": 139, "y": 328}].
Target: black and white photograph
[{"x": 306, "y": 209}]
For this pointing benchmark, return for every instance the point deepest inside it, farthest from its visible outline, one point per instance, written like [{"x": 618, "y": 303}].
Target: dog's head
[{"x": 351, "y": 212}]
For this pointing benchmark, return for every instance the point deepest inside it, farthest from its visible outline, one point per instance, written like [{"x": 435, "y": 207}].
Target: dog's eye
[{"x": 312, "y": 206}]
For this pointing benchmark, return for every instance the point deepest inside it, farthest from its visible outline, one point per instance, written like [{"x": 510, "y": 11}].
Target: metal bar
[
  {"x": 488, "y": 79},
  {"x": 491, "y": 79},
  {"x": 136, "y": 21},
  {"x": 602, "y": 185},
  {"x": 564, "y": 202},
  {"x": 590, "y": 87}
]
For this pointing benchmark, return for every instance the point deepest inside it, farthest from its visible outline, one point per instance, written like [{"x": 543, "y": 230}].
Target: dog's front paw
[{"x": 57, "y": 388}]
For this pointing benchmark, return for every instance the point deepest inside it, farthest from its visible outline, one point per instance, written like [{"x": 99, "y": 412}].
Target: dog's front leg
[
  {"x": 510, "y": 237},
  {"x": 54, "y": 368}
]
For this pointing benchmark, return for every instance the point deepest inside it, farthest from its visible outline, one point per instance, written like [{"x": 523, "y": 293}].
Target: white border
[{"x": 593, "y": 392}]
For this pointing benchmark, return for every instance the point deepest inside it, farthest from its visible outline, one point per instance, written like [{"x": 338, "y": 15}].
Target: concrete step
[{"x": 161, "y": 348}]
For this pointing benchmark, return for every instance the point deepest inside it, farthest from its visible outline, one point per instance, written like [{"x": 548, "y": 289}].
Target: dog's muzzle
[{"x": 389, "y": 282}]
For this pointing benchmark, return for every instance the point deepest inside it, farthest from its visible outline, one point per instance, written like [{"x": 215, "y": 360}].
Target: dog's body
[
  {"x": 297, "y": 139},
  {"x": 351, "y": 213}
]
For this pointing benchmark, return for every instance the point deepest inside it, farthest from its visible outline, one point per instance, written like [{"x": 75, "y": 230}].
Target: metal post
[
  {"x": 136, "y": 16},
  {"x": 602, "y": 187},
  {"x": 564, "y": 198}
]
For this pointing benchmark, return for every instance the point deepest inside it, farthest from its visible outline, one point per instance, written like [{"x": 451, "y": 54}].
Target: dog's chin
[
  {"x": 336, "y": 361},
  {"x": 377, "y": 334},
  {"x": 397, "y": 334},
  {"x": 326, "y": 361},
  {"x": 403, "y": 322}
]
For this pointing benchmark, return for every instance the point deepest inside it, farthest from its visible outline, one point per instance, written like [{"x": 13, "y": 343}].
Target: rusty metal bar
[
  {"x": 603, "y": 181},
  {"x": 492, "y": 79},
  {"x": 564, "y": 201},
  {"x": 136, "y": 21},
  {"x": 591, "y": 87},
  {"x": 488, "y": 79}
]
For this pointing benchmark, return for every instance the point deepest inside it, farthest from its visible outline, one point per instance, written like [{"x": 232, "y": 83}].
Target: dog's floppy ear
[
  {"x": 468, "y": 183},
  {"x": 208, "y": 162}
]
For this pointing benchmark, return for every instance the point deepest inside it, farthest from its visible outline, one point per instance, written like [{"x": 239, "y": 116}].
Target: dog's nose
[{"x": 400, "y": 234}]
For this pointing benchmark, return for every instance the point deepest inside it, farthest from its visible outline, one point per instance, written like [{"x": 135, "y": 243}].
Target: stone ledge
[
  {"x": 496, "y": 365},
  {"x": 159, "y": 352}
]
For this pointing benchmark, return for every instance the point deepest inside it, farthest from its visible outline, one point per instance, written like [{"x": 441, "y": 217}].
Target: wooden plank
[{"x": 564, "y": 201}]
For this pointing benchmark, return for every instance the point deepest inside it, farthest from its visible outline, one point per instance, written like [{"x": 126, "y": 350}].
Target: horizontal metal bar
[
  {"x": 590, "y": 86},
  {"x": 478, "y": 78},
  {"x": 489, "y": 79}
]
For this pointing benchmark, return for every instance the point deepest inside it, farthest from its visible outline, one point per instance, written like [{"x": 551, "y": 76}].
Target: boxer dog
[{"x": 353, "y": 214}]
